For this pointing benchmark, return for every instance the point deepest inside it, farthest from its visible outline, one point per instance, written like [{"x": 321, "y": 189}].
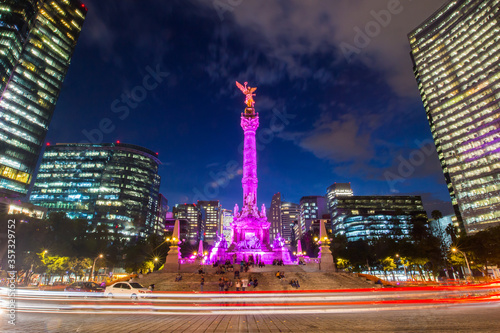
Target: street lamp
[
  {"x": 455, "y": 250},
  {"x": 93, "y": 266},
  {"x": 155, "y": 262}
]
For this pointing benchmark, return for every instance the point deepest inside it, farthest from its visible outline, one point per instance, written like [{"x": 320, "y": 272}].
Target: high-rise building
[
  {"x": 311, "y": 208},
  {"x": 37, "y": 40},
  {"x": 108, "y": 184},
  {"x": 290, "y": 214},
  {"x": 192, "y": 214},
  {"x": 274, "y": 216},
  {"x": 456, "y": 57},
  {"x": 210, "y": 217},
  {"x": 225, "y": 224},
  {"x": 161, "y": 215},
  {"x": 333, "y": 192}
]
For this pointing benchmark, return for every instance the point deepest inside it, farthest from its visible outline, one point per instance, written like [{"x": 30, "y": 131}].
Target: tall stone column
[{"x": 249, "y": 123}]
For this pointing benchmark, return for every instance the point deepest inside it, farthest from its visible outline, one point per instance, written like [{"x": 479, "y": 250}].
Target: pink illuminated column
[{"x": 249, "y": 123}]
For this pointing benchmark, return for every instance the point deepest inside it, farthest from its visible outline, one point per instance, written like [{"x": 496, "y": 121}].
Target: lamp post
[
  {"x": 155, "y": 262},
  {"x": 93, "y": 266},
  {"x": 469, "y": 272}
]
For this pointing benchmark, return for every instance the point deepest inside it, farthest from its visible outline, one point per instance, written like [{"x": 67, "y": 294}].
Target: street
[
  {"x": 456, "y": 318},
  {"x": 448, "y": 308}
]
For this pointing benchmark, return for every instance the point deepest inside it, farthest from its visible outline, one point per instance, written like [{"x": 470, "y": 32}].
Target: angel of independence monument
[{"x": 250, "y": 228}]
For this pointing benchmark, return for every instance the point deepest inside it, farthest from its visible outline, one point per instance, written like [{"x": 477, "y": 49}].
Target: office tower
[
  {"x": 274, "y": 216},
  {"x": 161, "y": 215},
  {"x": 290, "y": 213},
  {"x": 311, "y": 208},
  {"x": 225, "y": 224},
  {"x": 111, "y": 184},
  {"x": 370, "y": 217},
  {"x": 210, "y": 217},
  {"x": 37, "y": 40},
  {"x": 192, "y": 214},
  {"x": 333, "y": 192},
  {"x": 456, "y": 57}
]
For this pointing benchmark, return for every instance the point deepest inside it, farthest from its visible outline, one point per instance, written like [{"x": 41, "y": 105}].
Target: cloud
[
  {"x": 342, "y": 140},
  {"x": 287, "y": 32},
  {"x": 97, "y": 32}
]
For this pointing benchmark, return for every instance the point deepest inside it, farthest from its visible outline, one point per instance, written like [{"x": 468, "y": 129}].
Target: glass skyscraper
[
  {"x": 115, "y": 185},
  {"x": 290, "y": 214},
  {"x": 456, "y": 57},
  {"x": 37, "y": 40},
  {"x": 274, "y": 216}
]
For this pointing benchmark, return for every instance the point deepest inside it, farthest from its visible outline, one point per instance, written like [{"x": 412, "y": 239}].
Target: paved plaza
[{"x": 469, "y": 318}]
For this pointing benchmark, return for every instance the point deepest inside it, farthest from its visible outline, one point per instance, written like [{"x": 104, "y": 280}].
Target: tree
[{"x": 388, "y": 264}]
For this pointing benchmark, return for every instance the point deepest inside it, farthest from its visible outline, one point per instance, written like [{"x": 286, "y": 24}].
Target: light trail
[{"x": 31, "y": 301}]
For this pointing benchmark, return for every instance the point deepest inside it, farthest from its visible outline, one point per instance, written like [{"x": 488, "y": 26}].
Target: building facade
[
  {"x": 225, "y": 224},
  {"x": 192, "y": 214},
  {"x": 210, "y": 219},
  {"x": 290, "y": 214},
  {"x": 161, "y": 215},
  {"x": 456, "y": 57},
  {"x": 274, "y": 216},
  {"x": 333, "y": 193},
  {"x": 116, "y": 185},
  {"x": 16, "y": 207},
  {"x": 371, "y": 217},
  {"x": 311, "y": 208},
  {"x": 37, "y": 40}
]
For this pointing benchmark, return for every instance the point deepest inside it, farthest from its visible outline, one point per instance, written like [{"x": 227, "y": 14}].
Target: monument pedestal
[
  {"x": 327, "y": 264},
  {"x": 284, "y": 255},
  {"x": 172, "y": 262}
]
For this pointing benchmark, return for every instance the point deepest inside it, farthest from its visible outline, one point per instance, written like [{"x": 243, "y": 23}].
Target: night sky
[{"x": 326, "y": 115}]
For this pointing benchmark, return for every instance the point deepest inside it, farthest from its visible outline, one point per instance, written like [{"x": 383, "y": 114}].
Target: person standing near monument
[
  {"x": 244, "y": 284},
  {"x": 202, "y": 282}
]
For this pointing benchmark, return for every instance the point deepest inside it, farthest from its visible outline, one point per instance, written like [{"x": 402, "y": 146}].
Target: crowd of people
[
  {"x": 277, "y": 262},
  {"x": 238, "y": 282}
]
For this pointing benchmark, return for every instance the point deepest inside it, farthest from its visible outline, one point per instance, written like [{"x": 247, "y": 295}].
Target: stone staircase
[{"x": 267, "y": 280}]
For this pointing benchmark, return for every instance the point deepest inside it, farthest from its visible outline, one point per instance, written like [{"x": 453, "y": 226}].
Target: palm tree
[{"x": 436, "y": 215}]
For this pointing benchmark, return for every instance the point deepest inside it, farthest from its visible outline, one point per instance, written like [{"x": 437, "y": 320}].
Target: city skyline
[{"x": 329, "y": 116}]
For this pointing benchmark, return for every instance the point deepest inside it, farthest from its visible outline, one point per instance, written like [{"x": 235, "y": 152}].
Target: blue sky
[{"x": 161, "y": 74}]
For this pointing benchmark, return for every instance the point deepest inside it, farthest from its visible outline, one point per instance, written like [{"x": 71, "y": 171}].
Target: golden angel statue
[{"x": 249, "y": 93}]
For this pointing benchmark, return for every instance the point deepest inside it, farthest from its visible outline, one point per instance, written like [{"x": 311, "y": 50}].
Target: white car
[{"x": 133, "y": 290}]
